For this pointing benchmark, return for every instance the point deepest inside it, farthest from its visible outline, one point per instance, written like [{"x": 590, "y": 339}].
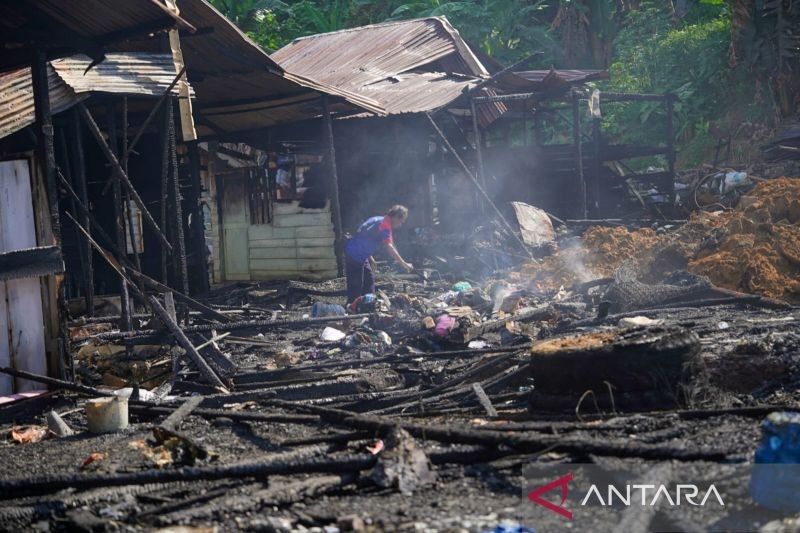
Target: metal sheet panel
[
  {"x": 16, "y": 99},
  {"x": 130, "y": 73},
  {"x": 399, "y": 64},
  {"x": 68, "y": 27}
]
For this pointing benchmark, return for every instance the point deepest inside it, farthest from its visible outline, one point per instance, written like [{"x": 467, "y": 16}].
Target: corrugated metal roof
[
  {"x": 569, "y": 76},
  {"x": 132, "y": 73},
  {"x": 239, "y": 87},
  {"x": 28, "y": 23},
  {"x": 16, "y": 98},
  {"x": 408, "y": 66}
]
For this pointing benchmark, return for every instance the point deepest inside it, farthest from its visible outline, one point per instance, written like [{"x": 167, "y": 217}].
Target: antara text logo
[{"x": 628, "y": 495}]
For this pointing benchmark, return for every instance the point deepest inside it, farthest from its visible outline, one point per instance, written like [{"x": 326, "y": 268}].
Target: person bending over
[{"x": 372, "y": 234}]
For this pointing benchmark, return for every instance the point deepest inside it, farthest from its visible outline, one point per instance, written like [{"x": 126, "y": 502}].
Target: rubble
[
  {"x": 752, "y": 248},
  {"x": 210, "y": 392}
]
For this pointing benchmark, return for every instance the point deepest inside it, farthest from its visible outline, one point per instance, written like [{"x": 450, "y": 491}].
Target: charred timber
[{"x": 154, "y": 335}]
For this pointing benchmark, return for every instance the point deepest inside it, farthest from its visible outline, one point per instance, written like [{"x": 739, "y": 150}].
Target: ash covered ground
[{"x": 421, "y": 410}]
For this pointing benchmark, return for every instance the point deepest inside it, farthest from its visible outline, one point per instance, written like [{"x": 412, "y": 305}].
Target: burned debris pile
[
  {"x": 752, "y": 247},
  {"x": 441, "y": 385}
]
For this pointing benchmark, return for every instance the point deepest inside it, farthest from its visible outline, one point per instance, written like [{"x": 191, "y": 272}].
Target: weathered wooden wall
[{"x": 298, "y": 244}]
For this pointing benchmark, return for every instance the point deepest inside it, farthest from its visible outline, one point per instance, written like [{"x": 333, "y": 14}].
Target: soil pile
[{"x": 753, "y": 248}]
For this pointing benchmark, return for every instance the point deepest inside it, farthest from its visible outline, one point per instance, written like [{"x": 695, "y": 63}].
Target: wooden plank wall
[{"x": 298, "y": 244}]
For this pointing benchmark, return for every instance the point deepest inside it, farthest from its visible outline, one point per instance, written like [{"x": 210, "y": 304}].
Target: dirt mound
[{"x": 753, "y": 248}]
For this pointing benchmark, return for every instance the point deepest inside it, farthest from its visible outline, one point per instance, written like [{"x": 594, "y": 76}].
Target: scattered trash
[
  {"x": 510, "y": 527},
  {"x": 723, "y": 325},
  {"x": 57, "y": 425},
  {"x": 320, "y": 309},
  {"x": 477, "y": 345},
  {"x": 330, "y": 334},
  {"x": 402, "y": 465},
  {"x": 93, "y": 458},
  {"x": 638, "y": 321},
  {"x": 28, "y": 434},
  {"x": 444, "y": 324},
  {"x": 772, "y": 486},
  {"x": 461, "y": 286},
  {"x": 106, "y": 415}
]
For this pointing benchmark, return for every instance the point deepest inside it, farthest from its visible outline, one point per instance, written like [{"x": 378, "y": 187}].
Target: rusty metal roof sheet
[
  {"x": 408, "y": 66},
  {"x": 16, "y": 98},
  {"x": 569, "y": 76},
  {"x": 132, "y": 73},
  {"x": 68, "y": 27},
  {"x": 239, "y": 87}
]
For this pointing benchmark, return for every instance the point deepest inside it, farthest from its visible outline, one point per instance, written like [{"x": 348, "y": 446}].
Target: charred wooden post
[
  {"x": 475, "y": 182},
  {"x": 131, "y": 223},
  {"x": 179, "y": 246},
  {"x": 119, "y": 223},
  {"x": 46, "y": 149},
  {"x": 163, "y": 199},
  {"x": 576, "y": 139},
  {"x": 47, "y": 158},
  {"x": 198, "y": 221},
  {"x": 98, "y": 135},
  {"x": 336, "y": 209},
  {"x": 79, "y": 176},
  {"x": 478, "y": 148},
  {"x": 158, "y": 310},
  {"x": 65, "y": 165}
]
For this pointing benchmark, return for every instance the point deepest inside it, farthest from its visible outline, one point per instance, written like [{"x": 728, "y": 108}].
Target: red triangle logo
[{"x": 536, "y": 496}]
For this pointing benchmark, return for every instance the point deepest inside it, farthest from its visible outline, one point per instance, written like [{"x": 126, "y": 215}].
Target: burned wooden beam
[
  {"x": 109, "y": 154},
  {"x": 47, "y": 484},
  {"x": 119, "y": 224},
  {"x": 179, "y": 244},
  {"x": 530, "y": 442},
  {"x": 336, "y": 208},
  {"x": 79, "y": 175},
  {"x": 484, "y": 400},
  {"x": 59, "y": 383},
  {"x": 39, "y": 261},
  {"x": 161, "y": 314},
  {"x": 173, "y": 421},
  {"x": 154, "y": 334},
  {"x": 475, "y": 182}
]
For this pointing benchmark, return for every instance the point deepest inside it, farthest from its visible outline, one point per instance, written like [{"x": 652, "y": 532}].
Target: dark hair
[{"x": 398, "y": 211}]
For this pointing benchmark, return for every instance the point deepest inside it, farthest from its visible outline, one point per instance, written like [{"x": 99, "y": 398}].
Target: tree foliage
[{"x": 728, "y": 61}]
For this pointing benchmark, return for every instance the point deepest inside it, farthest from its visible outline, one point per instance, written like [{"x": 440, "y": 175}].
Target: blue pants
[{"x": 360, "y": 278}]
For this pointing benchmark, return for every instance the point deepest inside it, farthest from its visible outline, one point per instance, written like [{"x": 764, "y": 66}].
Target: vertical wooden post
[
  {"x": 131, "y": 222},
  {"x": 79, "y": 177},
  {"x": 198, "y": 226},
  {"x": 478, "y": 150},
  {"x": 179, "y": 246},
  {"x": 670, "y": 104},
  {"x": 594, "y": 183},
  {"x": 47, "y": 159},
  {"x": 576, "y": 139},
  {"x": 164, "y": 198},
  {"x": 44, "y": 126},
  {"x": 119, "y": 223},
  {"x": 336, "y": 209}
]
